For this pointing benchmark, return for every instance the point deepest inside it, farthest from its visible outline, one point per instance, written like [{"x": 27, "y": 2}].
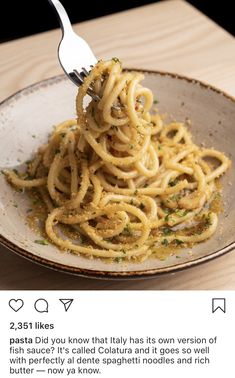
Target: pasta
[{"x": 124, "y": 182}]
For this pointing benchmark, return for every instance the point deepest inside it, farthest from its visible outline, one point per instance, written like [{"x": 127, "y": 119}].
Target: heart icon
[{"x": 16, "y": 304}]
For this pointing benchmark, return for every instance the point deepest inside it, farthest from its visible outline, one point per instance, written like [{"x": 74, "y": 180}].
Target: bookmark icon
[
  {"x": 218, "y": 304},
  {"x": 67, "y": 303}
]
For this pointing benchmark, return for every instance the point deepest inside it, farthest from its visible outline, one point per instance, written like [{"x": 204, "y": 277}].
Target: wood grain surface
[{"x": 170, "y": 36}]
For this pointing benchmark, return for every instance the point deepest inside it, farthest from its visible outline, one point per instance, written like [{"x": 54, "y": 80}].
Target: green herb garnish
[
  {"x": 127, "y": 231},
  {"x": 178, "y": 241},
  {"x": 118, "y": 259},
  {"x": 175, "y": 197},
  {"x": 181, "y": 213},
  {"x": 167, "y": 217},
  {"x": 173, "y": 182},
  {"x": 42, "y": 242},
  {"x": 167, "y": 231},
  {"x": 165, "y": 242},
  {"x": 207, "y": 220}
]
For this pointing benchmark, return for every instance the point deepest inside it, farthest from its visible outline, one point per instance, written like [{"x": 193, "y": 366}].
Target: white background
[{"x": 129, "y": 313}]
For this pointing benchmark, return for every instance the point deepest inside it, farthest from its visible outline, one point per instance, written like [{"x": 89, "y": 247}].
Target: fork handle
[{"x": 64, "y": 20}]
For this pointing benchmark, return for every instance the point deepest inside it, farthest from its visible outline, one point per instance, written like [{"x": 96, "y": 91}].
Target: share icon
[{"x": 67, "y": 303}]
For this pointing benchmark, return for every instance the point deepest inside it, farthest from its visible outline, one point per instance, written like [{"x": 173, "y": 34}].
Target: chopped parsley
[
  {"x": 167, "y": 231},
  {"x": 217, "y": 195},
  {"x": 41, "y": 241},
  {"x": 155, "y": 101},
  {"x": 207, "y": 220},
  {"x": 127, "y": 231},
  {"x": 181, "y": 213},
  {"x": 178, "y": 241},
  {"x": 175, "y": 197},
  {"x": 165, "y": 242},
  {"x": 173, "y": 182},
  {"x": 118, "y": 259},
  {"x": 166, "y": 217}
]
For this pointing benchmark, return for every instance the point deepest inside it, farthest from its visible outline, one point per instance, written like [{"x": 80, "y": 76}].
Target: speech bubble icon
[{"x": 41, "y": 305}]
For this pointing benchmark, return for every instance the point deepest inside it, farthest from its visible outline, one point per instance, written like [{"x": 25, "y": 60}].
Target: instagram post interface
[{"x": 117, "y": 215}]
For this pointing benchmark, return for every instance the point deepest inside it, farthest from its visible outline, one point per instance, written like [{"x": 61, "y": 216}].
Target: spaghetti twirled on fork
[{"x": 124, "y": 181}]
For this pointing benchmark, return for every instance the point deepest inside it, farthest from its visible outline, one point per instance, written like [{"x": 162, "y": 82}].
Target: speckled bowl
[{"x": 26, "y": 119}]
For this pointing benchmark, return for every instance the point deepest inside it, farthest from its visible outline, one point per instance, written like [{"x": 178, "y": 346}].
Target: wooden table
[{"x": 170, "y": 36}]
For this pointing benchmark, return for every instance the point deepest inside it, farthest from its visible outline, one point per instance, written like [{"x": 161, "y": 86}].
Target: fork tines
[{"x": 79, "y": 76}]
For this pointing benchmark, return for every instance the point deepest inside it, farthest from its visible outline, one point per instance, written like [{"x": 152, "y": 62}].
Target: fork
[{"x": 75, "y": 55}]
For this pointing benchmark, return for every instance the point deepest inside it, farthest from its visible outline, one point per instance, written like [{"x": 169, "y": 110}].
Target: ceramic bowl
[{"x": 27, "y": 117}]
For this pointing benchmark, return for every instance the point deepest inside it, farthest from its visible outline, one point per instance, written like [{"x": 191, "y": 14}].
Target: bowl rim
[{"x": 115, "y": 275}]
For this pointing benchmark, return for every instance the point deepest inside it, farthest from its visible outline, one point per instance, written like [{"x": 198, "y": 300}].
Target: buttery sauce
[{"x": 37, "y": 214}]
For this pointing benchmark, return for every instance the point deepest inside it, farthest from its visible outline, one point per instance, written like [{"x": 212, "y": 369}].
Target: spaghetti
[{"x": 121, "y": 179}]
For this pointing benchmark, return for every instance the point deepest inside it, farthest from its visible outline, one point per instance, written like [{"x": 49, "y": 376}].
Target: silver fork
[{"x": 75, "y": 55}]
